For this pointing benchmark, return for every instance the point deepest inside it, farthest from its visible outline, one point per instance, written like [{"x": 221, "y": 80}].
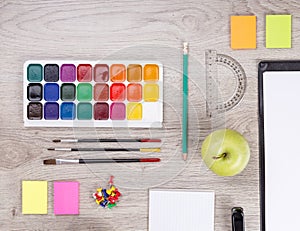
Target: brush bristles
[
  {"x": 56, "y": 141},
  {"x": 50, "y": 161}
]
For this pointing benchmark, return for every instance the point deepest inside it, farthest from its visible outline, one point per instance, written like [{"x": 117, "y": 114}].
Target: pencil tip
[
  {"x": 51, "y": 149},
  {"x": 50, "y": 162},
  {"x": 184, "y": 156},
  {"x": 56, "y": 141},
  {"x": 185, "y": 48}
]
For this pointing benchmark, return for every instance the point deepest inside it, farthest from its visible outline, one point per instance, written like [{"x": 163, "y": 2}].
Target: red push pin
[
  {"x": 111, "y": 180},
  {"x": 117, "y": 193},
  {"x": 98, "y": 197},
  {"x": 112, "y": 199}
]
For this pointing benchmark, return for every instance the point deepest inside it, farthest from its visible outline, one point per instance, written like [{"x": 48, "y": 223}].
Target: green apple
[{"x": 226, "y": 152}]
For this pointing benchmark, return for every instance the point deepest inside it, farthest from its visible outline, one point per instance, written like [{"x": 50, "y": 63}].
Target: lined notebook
[{"x": 175, "y": 210}]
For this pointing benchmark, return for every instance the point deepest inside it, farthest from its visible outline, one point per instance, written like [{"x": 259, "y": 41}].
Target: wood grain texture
[{"x": 94, "y": 30}]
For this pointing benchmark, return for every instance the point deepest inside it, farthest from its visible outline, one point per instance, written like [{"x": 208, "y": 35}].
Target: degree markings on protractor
[{"x": 212, "y": 60}]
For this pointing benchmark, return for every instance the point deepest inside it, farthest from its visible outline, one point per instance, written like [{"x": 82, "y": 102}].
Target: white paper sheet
[
  {"x": 282, "y": 149},
  {"x": 174, "y": 210}
]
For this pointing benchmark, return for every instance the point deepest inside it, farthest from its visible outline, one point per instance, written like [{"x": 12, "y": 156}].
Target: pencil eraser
[
  {"x": 243, "y": 32},
  {"x": 278, "y": 31},
  {"x": 66, "y": 198},
  {"x": 34, "y": 197}
]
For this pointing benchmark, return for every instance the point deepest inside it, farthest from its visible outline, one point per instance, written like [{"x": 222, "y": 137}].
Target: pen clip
[{"x": 237, "y": 218}]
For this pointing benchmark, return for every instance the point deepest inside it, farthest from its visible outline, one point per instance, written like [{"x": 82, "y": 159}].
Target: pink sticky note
[{"x": 66, "y": 198}]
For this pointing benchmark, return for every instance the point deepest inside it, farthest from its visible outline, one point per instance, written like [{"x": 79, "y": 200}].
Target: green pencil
[{"x": 185, "y": 101}]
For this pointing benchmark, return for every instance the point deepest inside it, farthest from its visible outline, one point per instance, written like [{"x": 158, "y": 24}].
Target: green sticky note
[
  {"x": 34, "y": 197},
  {"x": 278, "y": 31}
]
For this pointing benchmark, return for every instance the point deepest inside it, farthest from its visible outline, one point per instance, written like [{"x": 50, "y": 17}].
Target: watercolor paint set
[{"x": 60, "y": 93}]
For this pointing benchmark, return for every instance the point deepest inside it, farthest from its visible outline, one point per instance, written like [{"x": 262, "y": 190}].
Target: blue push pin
[
  {"x": 104, "y": 193},
  {"x": 104, "y": 203}
]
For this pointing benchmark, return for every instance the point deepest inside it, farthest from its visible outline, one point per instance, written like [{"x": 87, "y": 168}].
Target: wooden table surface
[{"x": 130, "y": 30}]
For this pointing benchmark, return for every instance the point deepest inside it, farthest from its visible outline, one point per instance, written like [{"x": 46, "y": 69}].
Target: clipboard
[{"x": 279, "y": 138}]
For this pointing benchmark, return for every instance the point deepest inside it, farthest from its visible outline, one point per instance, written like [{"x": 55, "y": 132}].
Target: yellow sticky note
[
  {"x": 34, "y": 197},
  {"x": 243, "y": 32},
  {"x": 278, "y": 31}
]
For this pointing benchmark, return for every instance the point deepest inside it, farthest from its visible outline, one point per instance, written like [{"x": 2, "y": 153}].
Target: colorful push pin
[
  {"x": 112, "y": 188},
  {"x": 111, "y": 205},
  {"x": 104, "y": 203},
  {"x": 111, "y": 180},
  {"x": 95, "y": 195},
  {"x": 118, "y": 194},
  {"x": 107, "y": 197},
  {"x": 99, "y": 198},
  {"x": 104, "y": 193},
  {"x": 112, "y": 199}
]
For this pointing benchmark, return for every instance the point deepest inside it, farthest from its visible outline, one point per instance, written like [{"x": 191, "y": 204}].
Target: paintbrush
[
  {"x": 95, "y": 161},
  {"x": 106, "y": 149},
  {"x": 105, "y": 140}
]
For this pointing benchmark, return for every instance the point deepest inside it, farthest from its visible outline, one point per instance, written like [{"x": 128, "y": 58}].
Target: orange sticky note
[{"x": 243, "y": 32}]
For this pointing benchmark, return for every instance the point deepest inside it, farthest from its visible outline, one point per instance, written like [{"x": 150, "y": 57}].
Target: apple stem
[{"x": 220, "y": 156}]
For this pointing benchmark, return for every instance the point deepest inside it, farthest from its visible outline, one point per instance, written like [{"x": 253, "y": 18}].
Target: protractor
[{"x": 212, "y": 89}]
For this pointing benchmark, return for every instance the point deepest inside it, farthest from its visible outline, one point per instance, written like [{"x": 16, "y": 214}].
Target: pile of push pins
[{"x": 107, "y": 197}]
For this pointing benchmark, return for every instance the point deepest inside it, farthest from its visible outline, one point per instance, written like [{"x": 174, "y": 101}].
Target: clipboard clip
[{"x": 237, "y": 218}]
